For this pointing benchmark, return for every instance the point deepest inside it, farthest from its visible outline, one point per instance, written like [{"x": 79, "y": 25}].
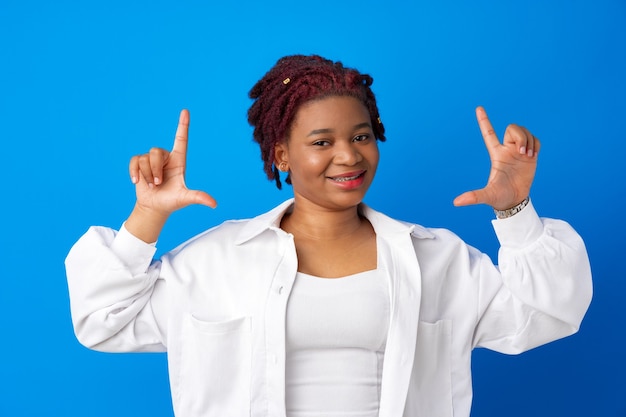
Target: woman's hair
[{"x": 294, "y": 80}]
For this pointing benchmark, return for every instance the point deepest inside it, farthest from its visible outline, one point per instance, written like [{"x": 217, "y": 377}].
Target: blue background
[{"x": 86, "y": 85}]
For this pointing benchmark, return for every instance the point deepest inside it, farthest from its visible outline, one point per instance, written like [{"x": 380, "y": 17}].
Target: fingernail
[
  {"x": 157, "y": 181},
  {"x": 134, "y": 180},
  {"x": 522, "y": 150},
  {"x": 530, "y": 152},
  {"x": 150, "y": 185}
]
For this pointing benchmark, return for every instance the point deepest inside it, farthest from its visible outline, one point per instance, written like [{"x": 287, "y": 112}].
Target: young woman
[{"x": 324, "y": 306}]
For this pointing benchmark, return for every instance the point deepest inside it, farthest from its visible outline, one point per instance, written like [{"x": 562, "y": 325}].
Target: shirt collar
[{"x": 383, "y": 224}]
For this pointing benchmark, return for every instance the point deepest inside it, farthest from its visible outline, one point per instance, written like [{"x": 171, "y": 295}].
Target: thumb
[
  {"x": 199, "y": 197},
  {"x": 470, "y": 198}
]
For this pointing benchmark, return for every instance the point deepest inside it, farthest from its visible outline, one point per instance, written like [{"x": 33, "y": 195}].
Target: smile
[{"x": 348, "y": 178}]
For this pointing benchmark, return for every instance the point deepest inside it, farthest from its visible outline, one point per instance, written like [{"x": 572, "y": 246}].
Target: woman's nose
[{"x": 347, "y": 154}]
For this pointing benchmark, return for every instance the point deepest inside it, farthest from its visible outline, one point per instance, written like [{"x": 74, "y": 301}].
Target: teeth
[{"x": 342, "y": 179}]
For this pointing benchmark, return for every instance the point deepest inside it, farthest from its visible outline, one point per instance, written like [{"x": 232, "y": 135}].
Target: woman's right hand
[{"x": 159, "y": 178}]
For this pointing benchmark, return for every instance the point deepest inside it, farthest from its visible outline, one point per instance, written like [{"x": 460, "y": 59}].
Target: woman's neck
[{"x": 315, "y": 223}]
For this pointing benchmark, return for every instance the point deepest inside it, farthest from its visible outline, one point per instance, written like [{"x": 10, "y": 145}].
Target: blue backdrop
[{"x": 86, "y": 85}]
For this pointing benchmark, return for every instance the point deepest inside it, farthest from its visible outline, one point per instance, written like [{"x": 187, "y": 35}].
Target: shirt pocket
[
  {"x": 215, "y": 367},
  {"x": 430, "y": 391}
]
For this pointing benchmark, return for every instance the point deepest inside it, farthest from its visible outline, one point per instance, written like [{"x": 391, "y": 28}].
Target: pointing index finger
[
  {"x": 182, "y": 133},
  {"x": 489, "y": 134}
]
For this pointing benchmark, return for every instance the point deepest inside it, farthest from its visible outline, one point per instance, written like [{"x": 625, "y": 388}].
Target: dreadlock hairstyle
[{"x": 294, "y": 80}]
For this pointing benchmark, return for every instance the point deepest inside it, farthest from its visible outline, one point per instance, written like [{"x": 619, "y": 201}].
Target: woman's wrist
[
  {"x": 504, "y": 214},
  {"x": 145, "y": 224}
]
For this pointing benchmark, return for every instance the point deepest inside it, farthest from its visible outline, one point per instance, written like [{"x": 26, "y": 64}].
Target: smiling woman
[
  {"x": 304, "y": 79},
  {"x": 330, "y": 150},
  {"x": 324, "y": 306}
]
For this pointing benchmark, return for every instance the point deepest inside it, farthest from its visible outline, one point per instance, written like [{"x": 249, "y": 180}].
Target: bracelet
[{"x": 503, "y": 214}]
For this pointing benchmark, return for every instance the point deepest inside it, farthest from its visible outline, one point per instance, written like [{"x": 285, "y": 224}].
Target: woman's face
[{"x": 331, "y": 152}]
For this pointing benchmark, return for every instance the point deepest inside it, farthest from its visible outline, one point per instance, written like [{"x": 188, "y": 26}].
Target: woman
[{"x": 324, "y": 306}]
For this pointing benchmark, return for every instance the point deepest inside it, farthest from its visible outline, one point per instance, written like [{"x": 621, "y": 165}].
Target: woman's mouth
[{"x": 348, "y": 178}]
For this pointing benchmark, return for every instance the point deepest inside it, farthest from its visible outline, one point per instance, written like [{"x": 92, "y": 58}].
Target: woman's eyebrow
[{"x": 328, "y": 130}]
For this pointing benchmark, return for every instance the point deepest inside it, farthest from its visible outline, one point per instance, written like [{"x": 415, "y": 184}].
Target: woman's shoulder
[
  {"x": 238, "y": 231},
  {"x": 223, "y": 234},
  {"x": 385, "y": 224}
]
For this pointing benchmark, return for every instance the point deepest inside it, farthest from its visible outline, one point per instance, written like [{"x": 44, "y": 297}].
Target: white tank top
[{"x": 336, "y": 336}]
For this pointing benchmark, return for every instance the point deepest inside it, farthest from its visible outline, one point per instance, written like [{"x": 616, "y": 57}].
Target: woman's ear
[{"x": 281, "y": 157}]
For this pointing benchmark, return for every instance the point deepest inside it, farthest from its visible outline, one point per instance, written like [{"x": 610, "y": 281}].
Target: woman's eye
[
  {"x": 321, "y": 143},
  {"x": 361, "y": 138}
]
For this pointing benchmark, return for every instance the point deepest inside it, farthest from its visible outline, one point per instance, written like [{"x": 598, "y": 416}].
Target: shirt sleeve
[
  {"x": 132, "y": 251},
  {"x": 117, "y": 299},
  {"x": 540, "y": 290}
]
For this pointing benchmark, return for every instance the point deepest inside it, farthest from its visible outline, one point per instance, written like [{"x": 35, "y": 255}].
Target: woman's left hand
[{"x": 513, "y": 166}]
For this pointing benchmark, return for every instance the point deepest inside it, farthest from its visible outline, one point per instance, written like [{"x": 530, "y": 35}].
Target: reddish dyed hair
[{"x": 293, "y": 81}]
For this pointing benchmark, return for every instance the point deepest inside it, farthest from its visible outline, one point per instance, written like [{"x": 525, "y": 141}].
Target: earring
[{"x": 282, "y": 166}]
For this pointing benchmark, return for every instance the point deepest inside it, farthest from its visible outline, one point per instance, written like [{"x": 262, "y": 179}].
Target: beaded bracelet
[{"x": 503, "y": 214}]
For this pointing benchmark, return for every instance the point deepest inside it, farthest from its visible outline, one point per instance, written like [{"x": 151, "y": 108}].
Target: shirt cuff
[
  {"x": 132, "y": 251},
  {"x": 519, "y": 230}
]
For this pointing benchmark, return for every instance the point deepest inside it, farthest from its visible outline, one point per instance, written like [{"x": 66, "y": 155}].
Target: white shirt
[
  {"x": 336, "y": 333},
  {"x": 218, "y": 303}
]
